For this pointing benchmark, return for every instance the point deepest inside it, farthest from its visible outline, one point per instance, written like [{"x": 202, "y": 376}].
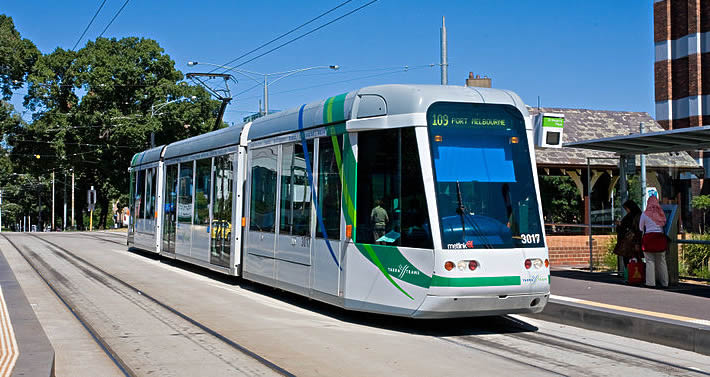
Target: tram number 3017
[{"x": 530, "y": 238}]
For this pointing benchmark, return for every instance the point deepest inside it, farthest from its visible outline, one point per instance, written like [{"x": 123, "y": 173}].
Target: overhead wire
[
  {"x": 284, "y": 34},
  {"x": 90, "y": 22},
  {"x": 306, "y": 34},
  {"x": 114, "y": 18}
]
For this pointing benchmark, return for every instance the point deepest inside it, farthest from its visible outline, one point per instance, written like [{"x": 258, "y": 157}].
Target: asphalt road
[{"x": 133, "y": 314}]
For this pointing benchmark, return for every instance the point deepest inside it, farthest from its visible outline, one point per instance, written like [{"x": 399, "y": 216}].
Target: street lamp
[
  {"x": 265, "y": 84},
  {"x": 153, "y": 112}
]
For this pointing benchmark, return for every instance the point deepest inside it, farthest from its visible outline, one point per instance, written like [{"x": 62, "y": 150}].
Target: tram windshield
[{"x": 485, "y": 189}]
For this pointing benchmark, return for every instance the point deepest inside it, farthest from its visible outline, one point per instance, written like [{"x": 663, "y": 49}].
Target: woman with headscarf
[
  {"x": 628, "y": 235},
  {"x": 654, "y": 243}
]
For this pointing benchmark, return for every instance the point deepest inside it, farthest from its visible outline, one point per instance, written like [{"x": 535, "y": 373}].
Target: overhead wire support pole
[{"x": 444, "y": 53}]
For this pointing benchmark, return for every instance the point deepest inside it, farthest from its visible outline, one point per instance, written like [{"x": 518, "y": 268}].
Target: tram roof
[
  {"x": 206, "y": 142},
  {"x": 147, "y": 157},
  {"x": 398, "y": 99}
]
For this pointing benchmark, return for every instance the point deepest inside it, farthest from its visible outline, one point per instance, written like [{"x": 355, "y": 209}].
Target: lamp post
[
  {"x": 265, "y": 83},
  {"x": 154, "y": 111}
]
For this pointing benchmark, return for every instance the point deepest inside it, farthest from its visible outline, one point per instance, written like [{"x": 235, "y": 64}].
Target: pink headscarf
[{"x": 655, "y": 212}]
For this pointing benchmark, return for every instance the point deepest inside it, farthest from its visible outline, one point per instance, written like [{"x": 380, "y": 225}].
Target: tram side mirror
[{"x": 549, "y": 129}]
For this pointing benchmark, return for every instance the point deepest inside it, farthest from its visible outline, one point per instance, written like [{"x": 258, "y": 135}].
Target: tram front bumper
[{"x": 476, "y": 306}]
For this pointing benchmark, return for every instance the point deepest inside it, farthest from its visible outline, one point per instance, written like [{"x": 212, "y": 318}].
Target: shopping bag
[{"x": 636, "y": 272}]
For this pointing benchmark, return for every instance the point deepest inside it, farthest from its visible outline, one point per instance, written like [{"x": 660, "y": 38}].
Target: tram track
[
  {"x": 516, "y": 347},
  {"x": 165, "y": 315}
]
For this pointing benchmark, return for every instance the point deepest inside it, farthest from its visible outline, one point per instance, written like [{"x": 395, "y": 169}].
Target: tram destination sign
[{"x": 456, "y": 119}]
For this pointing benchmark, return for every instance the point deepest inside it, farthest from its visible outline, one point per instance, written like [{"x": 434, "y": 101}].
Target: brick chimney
[{"x": 478, "y": 81}]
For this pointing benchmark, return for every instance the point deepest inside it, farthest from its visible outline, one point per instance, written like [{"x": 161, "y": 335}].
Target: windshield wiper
[{"x": 460, "y": 210}]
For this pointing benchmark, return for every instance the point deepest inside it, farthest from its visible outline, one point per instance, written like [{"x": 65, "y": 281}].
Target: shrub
[
  {"x": 696, "y": 257},
  {"x": 610, "y": 259}
]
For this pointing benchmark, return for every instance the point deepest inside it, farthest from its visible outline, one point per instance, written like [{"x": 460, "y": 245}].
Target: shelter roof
[{"x": 584, "y": 124}]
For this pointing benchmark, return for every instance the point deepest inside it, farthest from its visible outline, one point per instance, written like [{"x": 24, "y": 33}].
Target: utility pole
[
  {"x": 64, "y": 219},
  {"x": 72, "y": 198},
  {"x": 444, "y": 58},
  {"x": 52, "y": 222},
  {"x": 266, "y": 96},
  {"x": 0, "y": 211},
  {"x": 643, "y": 174}
]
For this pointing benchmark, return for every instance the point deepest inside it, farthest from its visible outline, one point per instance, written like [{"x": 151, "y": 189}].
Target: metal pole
[
  {"x": 643, "y": 174},
  {"x": 589, "y": 211},
  {"x": 52, "y": 222},
  {"x": 444, "y": 58},
  {"x": 72, "y": 199},
  {"x": 266, "y": 96},
  {"x": 64, "y": 218},
  {"x": 0, "y": 211},
  {"x": 152, "y": 133}
]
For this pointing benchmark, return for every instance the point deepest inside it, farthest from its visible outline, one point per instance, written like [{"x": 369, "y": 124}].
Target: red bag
[{"x": 636, "y": 271}]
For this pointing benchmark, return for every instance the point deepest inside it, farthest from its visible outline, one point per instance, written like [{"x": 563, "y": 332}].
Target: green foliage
[
  {"x": 561, "y": 202},
  {"x": 93, "y": 112},
  {"x": 696, "y": 257},
  {"x": 701, "y": 202},
  {"x": 635, "y": 192},
  {"x": 609, "y": 262},
  {"x": 17, "y": 56}
]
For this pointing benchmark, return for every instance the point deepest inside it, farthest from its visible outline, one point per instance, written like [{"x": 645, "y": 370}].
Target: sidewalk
[
  {"x": 678, "y": 316},
  {"x": 29, "y": 352}
]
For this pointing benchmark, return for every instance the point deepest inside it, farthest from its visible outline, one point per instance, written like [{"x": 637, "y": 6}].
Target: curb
[{"x": 668, "y": 332}]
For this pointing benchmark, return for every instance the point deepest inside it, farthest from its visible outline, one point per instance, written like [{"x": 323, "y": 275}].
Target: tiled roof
[{"x": 584, "y": 124}]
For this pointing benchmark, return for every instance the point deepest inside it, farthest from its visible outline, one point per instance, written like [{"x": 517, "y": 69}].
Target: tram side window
[
  {"x": 262, "y": 213},
  {"x": 295, "y": 190},
  {"x": 140, "y": 194},
  {"x": 150, "y": 193},
  {"x": 202, "y": 191},
  {"x": 184, "y": 210},
  {"x": 132, "y": 191},
  {"x": 391, "y": 204},
  {"x": 329, "y": 186}
]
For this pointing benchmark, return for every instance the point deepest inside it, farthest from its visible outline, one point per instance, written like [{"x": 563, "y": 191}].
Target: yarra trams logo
[{"x": 402, "y": 270}]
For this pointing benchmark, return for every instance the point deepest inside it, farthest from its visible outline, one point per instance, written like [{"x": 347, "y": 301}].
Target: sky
[{"x": 572, "y": 54}]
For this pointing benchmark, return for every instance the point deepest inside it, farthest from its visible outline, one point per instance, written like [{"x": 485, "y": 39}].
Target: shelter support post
[{"x": 623, "y": 197}]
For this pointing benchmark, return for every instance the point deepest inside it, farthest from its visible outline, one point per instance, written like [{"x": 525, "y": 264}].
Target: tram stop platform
[
  {"x": 25, "y": 349},
  {"x": 678, "y": 316}
]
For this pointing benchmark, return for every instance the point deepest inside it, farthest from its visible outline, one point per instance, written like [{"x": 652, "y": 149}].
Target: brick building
[{"x": 682, "y": 62}]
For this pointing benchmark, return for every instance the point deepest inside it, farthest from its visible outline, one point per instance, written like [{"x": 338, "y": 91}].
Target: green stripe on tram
[
  {"x": 334, "y": 109},
  {"x": 489, "y": 281}
]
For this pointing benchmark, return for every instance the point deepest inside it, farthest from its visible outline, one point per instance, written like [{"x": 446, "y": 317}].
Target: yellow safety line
[
  {"x": 633, "y": 310},
  {"x": 8, "y": 345}
]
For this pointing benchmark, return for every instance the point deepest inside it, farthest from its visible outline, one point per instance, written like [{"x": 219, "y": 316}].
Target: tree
[
  {"x": 560, "y": 200},
  {"x": 17, "y": 56},
  {"x": 93, "y": 112},
  {"x": 701, "y": 202}
]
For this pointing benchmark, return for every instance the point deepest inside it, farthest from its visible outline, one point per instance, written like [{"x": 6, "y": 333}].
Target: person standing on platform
[
  {"x": 654, "y": 243},
  {"x": 628, "y": 235}
]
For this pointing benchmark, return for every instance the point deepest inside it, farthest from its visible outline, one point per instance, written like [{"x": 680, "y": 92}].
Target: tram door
[
  {"x": 169, "y": 219},
  {"x": 221, "y": 229}
]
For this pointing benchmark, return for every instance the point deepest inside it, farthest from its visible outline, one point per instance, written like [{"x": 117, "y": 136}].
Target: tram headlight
[
  {"x": 537, "y": 263},
  {"x": 462, "y": 265}
]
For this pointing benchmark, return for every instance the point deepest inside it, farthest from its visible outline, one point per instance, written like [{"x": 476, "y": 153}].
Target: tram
[{"x": 409, "y": 200}]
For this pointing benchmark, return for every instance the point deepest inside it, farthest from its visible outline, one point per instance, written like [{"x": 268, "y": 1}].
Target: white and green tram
[{"x": 410, "y": 200}]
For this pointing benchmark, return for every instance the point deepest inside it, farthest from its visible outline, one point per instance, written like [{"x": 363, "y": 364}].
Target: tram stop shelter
[{"x": 628, "y": 146}]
